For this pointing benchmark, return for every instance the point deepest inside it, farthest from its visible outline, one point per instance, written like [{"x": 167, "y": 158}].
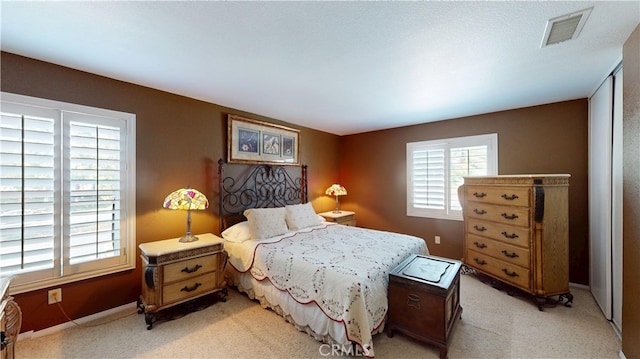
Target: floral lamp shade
[
  {"x": 187, "y": 199},
  {"x": 336, "y": 190}
]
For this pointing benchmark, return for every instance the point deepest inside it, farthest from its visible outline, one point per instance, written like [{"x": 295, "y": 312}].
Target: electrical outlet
[
  {"x": 55, "y": 295},
  {"x": 437, "y": 239}
]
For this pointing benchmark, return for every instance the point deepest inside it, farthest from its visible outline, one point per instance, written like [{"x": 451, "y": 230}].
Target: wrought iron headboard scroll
[{"x": 260, "y": 186}]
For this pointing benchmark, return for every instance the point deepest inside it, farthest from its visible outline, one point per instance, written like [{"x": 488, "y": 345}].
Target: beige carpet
[{"x": 493, "y": 325}]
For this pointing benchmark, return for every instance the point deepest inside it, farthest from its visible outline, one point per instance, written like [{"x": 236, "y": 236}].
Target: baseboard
[{"x": 57, "y": 328}]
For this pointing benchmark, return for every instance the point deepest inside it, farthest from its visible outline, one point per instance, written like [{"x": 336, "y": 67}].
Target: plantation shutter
[
  {"x": 27, "y": 180},
  {"x": 94, "y": 190},
  {"x": 465, "y": 161},
  {"x": 429, "y": 178}
]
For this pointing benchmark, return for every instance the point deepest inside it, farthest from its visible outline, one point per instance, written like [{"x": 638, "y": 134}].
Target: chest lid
[{"x": 435, "y": 271}]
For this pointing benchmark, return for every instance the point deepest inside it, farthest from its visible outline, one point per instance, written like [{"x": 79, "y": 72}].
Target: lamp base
[{"x": 187, "y": 238}]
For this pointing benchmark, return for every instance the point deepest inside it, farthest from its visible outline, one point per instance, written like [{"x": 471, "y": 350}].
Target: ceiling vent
[{"x": 565, "y": 27}]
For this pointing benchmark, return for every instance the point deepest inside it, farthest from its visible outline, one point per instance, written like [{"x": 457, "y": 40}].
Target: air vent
[{"x": 565, "y": 27}]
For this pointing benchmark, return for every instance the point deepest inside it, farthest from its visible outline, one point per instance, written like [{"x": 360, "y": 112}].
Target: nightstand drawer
[
  {"x": 189, "y": 288},
  {"x": 189, "y": 268}
]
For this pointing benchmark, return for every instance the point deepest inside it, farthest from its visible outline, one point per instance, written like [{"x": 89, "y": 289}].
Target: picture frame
[{"x": 251, "y": 141}]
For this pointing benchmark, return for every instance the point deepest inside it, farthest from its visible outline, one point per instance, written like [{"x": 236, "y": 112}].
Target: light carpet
[{"x": 493, "y": 325}]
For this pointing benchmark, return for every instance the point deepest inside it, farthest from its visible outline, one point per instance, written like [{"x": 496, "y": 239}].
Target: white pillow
[
  {"x": 266, "y": 222},
  {"x": 238, "y": 233},
  {"x": 300, "y": 216}
]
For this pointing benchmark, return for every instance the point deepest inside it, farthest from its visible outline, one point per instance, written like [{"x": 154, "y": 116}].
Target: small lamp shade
[
  {"x": 336, "y": 190},
  {"x": 187, "y": 199}
]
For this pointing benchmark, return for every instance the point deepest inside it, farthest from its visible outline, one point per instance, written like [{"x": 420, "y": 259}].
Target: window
[
  {"x": 67, "y": 192},
  {"x": 435, "y": 170}
]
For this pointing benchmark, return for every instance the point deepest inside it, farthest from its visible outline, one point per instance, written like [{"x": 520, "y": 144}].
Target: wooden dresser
[
  {"x": 176, "y": 272},
  {"x": 517, "y": 231}
]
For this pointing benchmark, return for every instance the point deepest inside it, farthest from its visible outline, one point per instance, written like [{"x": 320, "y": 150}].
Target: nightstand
[
  {"x": 174, "y": 272},
  {"x": 343, "y": 217}
]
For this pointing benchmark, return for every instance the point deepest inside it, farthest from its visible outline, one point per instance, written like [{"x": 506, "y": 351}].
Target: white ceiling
[{"x": 339, "y": 67}]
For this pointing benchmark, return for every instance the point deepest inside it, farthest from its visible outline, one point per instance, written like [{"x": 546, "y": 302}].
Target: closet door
[
  {"x": 616, "y": 219},
  {"x": 600, "y": 152}
]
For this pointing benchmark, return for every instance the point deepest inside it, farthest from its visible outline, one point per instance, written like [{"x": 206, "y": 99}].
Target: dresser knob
[
  {"x": 479, "y": 195},
  {"x": 510, "y": 274},
  {"x": 509, "y": 198},
  {"x": 479, "y": 228},
  {"x": 480, "y": 245},
  {"x": 479, "y": 211},
  {"x": 509, "y": 216},
  {"x": 511, "y": 236},
  {"x": 510, "y": 255},
  {"x": 480, "y": 261}
]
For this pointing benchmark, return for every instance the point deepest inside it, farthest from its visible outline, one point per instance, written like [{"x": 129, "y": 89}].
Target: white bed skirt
[{"x": 308, "y": 318}]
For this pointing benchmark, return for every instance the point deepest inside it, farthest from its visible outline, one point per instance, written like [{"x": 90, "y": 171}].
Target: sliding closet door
[
  {"x": 600, "y": 152},
  {"x": 616, "y": 187}
]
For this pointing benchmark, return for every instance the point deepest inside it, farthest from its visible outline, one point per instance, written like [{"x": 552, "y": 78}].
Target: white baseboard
[{"x": 35, "y": 334}]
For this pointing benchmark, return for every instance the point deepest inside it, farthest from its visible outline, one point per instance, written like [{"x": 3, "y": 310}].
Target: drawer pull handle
[
  {"x": 479, "y": 211},
  {"x": 512, "y": 235},
  {"x": 479, "y": 195},
  {"x": 509, "y": 216},
  {"x": 509, "y": 198},
  {"x": 510, "y": 255},
  {"x": 413, "y": 301},
  {"x": 479, "y": 261},
  {"x": 187, "y": 289},
  {"x": 479, "y": 228},
  {"x": 510, "y": 274},
  {"x": 191, "y": 270},
  {"x": 480, "y": 245}
]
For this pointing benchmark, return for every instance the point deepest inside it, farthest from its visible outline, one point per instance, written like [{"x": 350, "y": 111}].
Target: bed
[{"x": 328, "y": 280}]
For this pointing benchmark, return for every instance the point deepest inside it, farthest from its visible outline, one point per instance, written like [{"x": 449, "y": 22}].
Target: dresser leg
[
  {"x": 569, "y": 297},
  {"x": 443, "y": 352},
  {"x": 149, "y": 319}
]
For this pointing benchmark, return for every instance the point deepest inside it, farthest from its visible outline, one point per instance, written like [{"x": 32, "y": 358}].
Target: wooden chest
[
  {"x": 424, "y": 299},
  {"x": 517, "y": 231}
]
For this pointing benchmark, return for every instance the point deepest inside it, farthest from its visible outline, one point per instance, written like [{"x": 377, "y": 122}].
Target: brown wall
[
  {"x": 542, "y": 139},
  {"x": 631, "y": 201},
  {"x": 179, "y": 141}
]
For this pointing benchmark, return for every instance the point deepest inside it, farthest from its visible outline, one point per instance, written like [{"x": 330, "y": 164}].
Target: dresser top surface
[{"x": 158, "y": 248}]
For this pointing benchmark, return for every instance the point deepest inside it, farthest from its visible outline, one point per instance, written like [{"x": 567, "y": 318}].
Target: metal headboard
[{"x": 259, "y": 186}]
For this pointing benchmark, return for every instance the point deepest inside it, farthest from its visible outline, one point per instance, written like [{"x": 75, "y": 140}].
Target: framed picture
[{"x": 250, "y": 141}]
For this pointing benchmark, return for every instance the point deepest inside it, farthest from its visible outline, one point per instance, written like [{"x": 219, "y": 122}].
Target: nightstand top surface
[
  {"x": 158, "y": 248},
  {"x": 336, "y": 215}
]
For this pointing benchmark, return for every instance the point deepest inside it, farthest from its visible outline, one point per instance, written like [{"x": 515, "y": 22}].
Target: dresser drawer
[
  {"x": 511, "y": 196},
  {"x": 189, "y": 268},
  {"x": 189, "y": 288},
  {"x": 502, "y": 270},
  {"x": 518, "y": 236},
  {"x": 511, "y": 215},
  {"x": 508, "y": 253}
]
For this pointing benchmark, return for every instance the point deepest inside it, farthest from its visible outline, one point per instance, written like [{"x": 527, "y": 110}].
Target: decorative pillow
[
  {"x": 300, "y": 216},
  {"x": 266, "y": 222},
  {"x": 238, "y": 233}
]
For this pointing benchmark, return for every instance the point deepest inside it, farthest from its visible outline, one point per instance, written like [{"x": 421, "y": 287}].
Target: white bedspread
[{"x": 343, "y": 270}]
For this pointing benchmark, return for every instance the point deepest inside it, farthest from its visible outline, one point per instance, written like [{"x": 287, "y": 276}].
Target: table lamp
[
  {"x": 187, "y": 199},
  {"x": 336, "y": 190}
]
